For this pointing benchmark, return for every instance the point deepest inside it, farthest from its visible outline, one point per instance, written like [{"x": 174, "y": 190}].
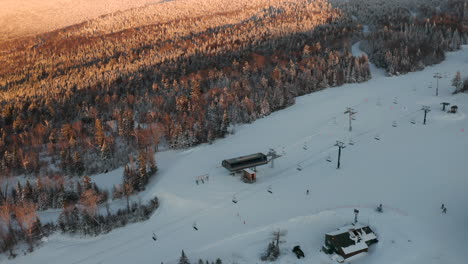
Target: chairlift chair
[{"x": 234, "y": 199}]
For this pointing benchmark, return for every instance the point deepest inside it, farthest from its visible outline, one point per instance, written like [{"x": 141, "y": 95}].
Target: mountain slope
[{"x": 411, "y": 170}]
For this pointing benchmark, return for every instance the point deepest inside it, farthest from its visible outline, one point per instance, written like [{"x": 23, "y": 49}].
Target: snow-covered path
[{"x": 411, "y": 170}]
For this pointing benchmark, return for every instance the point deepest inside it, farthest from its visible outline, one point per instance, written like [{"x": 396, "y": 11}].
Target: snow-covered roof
[
  {"x": 352, "y": 238},
  {"x": 356, "y": 247},
  {"x": 345, "y": 229},
  {"x": 249, "y": 171},
  {"x": 367, "y": 237}
]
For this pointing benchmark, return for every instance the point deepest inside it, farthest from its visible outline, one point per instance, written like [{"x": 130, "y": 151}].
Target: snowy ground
[{"x": 411, "y": 170}]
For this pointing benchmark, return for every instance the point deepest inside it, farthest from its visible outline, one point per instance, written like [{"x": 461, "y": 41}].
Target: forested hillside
[{"x": 85, "y": 104}]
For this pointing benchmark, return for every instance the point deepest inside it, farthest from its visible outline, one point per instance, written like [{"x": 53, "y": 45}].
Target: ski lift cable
[
  {"x": 305, "y": 165},
  {"x": 320, "y": 126},
  {"x": 308, "y": 159},
  {"x": 180, "y": 219},
  {"x": 251, "y": 193},
  {"x": 139, "y": 237},
  {"x": 302, "y": 162}
]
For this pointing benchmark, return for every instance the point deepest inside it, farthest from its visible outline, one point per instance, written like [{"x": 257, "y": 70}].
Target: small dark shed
[
  {"x": 298, "y": 251},
  {"x": 349, "y": 240},
  {"x": 453, "y": 109}
]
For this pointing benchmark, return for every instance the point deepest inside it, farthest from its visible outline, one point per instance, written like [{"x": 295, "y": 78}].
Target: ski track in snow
[{"x": 412, "y": 169}]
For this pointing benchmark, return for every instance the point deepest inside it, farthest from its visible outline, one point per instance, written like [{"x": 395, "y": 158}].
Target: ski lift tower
[
  {"x": 273, "y": 155},
  {"x": 438, "y": 76},
  {"x": 351, "y": 113},
  {"x": 444, "y": 104},
  {"x": 426, "y": 110},
  {"x": 340, "y": 146}
]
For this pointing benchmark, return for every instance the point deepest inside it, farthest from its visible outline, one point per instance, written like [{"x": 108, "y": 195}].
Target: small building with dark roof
[
  {"x": 349, "y": 240},
  {"x": 245, "y": 162},
  {"x": 453, "y": 109}
]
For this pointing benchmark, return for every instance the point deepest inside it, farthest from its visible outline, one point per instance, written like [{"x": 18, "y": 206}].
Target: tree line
[
  {"x": 406, "y": 36},
  {"x": 20, "y": 222}
]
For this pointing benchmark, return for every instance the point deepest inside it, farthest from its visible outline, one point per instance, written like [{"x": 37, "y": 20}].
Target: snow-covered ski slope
[{"x": 411, "y": 170}]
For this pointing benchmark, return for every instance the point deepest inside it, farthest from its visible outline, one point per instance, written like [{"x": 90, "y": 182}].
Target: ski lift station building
[{"x": 245, "y": 162}]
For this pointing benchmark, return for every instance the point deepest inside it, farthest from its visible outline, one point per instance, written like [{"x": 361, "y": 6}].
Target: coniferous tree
[
  {"x": 143, "y": 174},
  {"x": 27, "y": 194},
  {"x": 106, "y": 154},
  {"x": 183, "y": 259},
  {"x": 99, "y": 133},
  {"x": 87, "y": 183},
  {"x": 78, "y": 164}
]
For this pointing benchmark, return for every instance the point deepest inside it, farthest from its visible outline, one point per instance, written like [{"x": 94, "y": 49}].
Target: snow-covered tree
[
  {"x": 183, "y": 259},
  {"x": 457, "y": 82}
]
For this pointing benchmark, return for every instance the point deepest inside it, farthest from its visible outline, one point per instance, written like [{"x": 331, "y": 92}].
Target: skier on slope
[{"x": 380, "y": 208}]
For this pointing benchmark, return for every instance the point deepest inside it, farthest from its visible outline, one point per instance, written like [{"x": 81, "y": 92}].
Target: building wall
[{"x": 352, "y": 253}]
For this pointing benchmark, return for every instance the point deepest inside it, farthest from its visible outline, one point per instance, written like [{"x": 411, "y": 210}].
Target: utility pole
[
  {"x": 340, "y": 146},
  {"x": 438, "y": 76},
  {"x": 426, "y": 109},
  {"x": 351, "y": 112}
]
